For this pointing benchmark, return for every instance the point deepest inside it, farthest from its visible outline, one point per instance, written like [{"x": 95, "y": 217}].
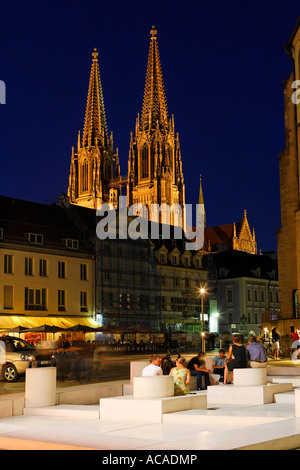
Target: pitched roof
[
  {"x": 220, "y": 235},
  {"x": 242, "y": 264},
  {"x": 19, "y": 217}
]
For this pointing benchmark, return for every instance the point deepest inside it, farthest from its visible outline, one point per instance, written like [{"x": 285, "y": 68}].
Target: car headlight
[{"x": 25, "y": 357}]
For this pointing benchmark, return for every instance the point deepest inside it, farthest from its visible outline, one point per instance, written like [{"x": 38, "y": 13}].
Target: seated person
[
  {"x": 198, "y": 369},
  {"x": 256, "y": 353},
  {"x": 182, "y": 377},
  {"x": 153, "y": 368},
  {"x": 237, "y": 351},
  {"x": 218, "y": 364},
  {"x": 296, "y": 354}
]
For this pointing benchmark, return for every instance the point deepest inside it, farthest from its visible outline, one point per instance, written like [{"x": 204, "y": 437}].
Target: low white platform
[
  {"x": 75, "y": 411},
  {"x": 283, "y": 370},
  {"x": 149, "y": 410},
  {"x": 288, "y": 397},
  {"x": 246, "y": 395},
  {"x": 293, "y": 379}
]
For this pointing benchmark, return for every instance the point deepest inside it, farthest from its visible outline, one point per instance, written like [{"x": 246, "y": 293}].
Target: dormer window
[
  {"x": 35, "y": 238},
  {"x": 162, "y": 258},
  {"x": 71, "y": 243},
  {"x": 1, "y": 233}
]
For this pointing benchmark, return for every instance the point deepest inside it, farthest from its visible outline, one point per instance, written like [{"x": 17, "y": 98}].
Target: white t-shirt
[{"x": 151, "y": 370}]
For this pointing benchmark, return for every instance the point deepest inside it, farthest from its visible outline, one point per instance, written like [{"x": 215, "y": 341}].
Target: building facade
[
  {"x": 181, "y": 277},
  {"x": 46, "y": 269},
  {"x": 288, "y": 235},
  {"x": 246, "y": 289}
]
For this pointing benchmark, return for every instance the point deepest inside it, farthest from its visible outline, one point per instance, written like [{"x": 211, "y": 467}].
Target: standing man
[{"x": 256, "y": 353}]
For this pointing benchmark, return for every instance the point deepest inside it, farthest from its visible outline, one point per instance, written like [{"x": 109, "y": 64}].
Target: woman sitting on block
[
  {"x": 182, "y": 377},
  {"x": 238, "y": 351}
]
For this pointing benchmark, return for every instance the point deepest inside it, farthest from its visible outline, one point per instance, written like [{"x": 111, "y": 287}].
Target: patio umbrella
[
  {"x": 16, "y": 329},
  {"x": 44, "y": 329},
  {"x": 84, "y": 328}
]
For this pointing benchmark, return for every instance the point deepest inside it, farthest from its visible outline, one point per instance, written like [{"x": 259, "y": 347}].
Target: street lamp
[{"x": 202, "y": 292}]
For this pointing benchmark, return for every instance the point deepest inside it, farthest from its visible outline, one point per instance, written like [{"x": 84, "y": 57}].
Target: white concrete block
[
  {"x": 153, "y": 387},
  {"x": 150, "y": 410},
  {"x": 67, "y": 411},
  {"x": 248, "y": 376},
  {"x": 18, "y": 406},
  {"x": 136, "y": 368},
  {"x": 6, "y": 408},
  {"x": 286, "y": 370},
  {"x": 245, "y": 395},
  {"x": 293, "y": 379},
  {"x": 40, "y": 387},
  {"x": 297, "y": 403}
]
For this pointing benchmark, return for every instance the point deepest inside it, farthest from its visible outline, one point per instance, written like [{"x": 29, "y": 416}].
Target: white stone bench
[
  {"x": 297, "y": 403},
  {"x": 152, "y": 397},
  {"x": 248, "y": 376},
  {"x": 250, "y": 388},
  {"x": 136, "y": 369},
  {"x": 159, "y": 386},
  {"x": 148, "y": 410},
  {"x": 279, "y": 370}
]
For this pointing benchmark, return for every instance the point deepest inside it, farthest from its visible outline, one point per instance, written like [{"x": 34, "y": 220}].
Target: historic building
[
  {"x": 288, "y": 235},
  {"x": 47, "y": 270},
  {"x": 235, "y": 236},
  {"x": 94, "y": 165},
  {"x": 126, "y": 282},
  {"x": 245, "y": 286},
  {"x": 154, "y": 167},
  {"x": 181, "y": 277}
]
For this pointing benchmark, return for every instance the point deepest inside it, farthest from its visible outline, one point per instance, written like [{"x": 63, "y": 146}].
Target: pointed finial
[
  {"x": 95, "y": 54},
  {"x": 153, "y": 31},
  {"x": 245, "y": 213}
]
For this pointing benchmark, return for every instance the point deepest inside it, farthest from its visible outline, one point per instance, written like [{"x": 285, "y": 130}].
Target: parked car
[{"x": 17, "y": 356}]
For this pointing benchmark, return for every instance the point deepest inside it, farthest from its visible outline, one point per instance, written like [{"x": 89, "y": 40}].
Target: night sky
[{"x": 223, "y": 65}]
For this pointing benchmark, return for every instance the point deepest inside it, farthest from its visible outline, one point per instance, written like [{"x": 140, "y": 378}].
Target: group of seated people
[{"x": 239, "y": 356}]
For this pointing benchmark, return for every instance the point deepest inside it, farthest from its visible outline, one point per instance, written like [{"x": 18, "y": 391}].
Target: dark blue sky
[{"x": 223, "y": 64}]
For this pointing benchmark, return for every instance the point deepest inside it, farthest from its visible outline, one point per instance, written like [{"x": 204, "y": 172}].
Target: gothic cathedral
[{"x": 154, "y": 167}]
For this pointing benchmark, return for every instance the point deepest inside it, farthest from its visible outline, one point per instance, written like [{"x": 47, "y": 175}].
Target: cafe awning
[{"x": 13, "y": 321}]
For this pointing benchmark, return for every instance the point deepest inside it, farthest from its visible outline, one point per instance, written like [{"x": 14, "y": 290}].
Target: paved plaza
[{"x": 222, "y": 426}]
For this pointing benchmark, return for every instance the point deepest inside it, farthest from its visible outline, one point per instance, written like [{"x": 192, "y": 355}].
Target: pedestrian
[
  {"x": 275, "y": 345},
  {"x": 295, "y": 337}
]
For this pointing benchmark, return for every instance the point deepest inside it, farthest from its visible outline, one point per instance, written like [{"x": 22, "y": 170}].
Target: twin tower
[{"x": 154, "y": 165}]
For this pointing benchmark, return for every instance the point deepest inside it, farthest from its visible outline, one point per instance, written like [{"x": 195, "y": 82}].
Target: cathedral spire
[
  {"x": 155, "y": 173},
  {"x": 154, "y": 104},
  {"x": 95, "y": 129},
  {"x": 201, "y": 201}
]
